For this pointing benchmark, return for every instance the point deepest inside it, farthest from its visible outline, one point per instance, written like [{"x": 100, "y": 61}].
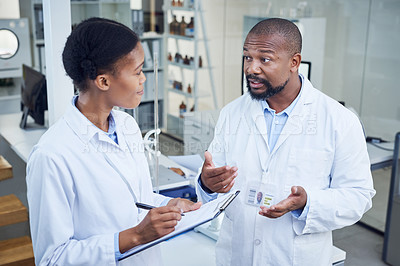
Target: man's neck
[{"x": 282, "y": 100}]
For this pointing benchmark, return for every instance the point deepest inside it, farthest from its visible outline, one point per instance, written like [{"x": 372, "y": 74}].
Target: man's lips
[{"x": 255, "y": 84}]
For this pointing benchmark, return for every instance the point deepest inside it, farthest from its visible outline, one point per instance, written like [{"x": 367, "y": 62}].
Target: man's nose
[{"x": 253, "y": 68}]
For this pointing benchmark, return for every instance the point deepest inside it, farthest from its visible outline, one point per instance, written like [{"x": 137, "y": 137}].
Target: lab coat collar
[
  {"x": 295, "y": 119},
  {"x": 86, "y": 130}
]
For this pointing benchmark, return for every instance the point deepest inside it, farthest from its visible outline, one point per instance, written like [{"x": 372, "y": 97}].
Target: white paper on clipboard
[{"x": 206, "y": 213}]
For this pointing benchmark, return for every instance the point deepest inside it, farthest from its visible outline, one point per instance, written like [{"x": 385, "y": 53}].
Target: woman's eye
[{"x": 140, "y": 72}]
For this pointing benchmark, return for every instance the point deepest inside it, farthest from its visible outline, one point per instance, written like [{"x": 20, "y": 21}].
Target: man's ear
[
  {"x": 102, "y": 82},
  {"x": 295, "y": 62}
]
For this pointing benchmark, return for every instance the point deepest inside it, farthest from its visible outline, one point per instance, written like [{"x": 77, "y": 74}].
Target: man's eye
[
  {"x": 265, "y": 60},
  {"x": 247, "y": 58}
]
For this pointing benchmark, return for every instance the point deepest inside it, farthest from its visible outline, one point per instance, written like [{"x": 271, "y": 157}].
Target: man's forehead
[{"x": 263, "y": 43}]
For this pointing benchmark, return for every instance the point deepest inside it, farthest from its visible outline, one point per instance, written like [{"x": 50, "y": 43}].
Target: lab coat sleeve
[
  {"x": 217, "y": 150},
  {"x": 350, "y": 192},
  {"x": 51, "y": 197}
]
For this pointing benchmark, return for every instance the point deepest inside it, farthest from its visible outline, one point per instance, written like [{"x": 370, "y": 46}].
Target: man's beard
[{"x": 269, "y": 92}]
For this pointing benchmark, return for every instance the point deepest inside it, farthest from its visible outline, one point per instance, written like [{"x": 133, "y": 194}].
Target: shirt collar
[
  {"x": 82, "y": 126},
  {"x": 290, "y": 108},
  {"x": 111, "y": 124}
]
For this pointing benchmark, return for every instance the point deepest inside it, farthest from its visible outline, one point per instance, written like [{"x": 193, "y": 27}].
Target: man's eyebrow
[{"x": 266, "y": 51}]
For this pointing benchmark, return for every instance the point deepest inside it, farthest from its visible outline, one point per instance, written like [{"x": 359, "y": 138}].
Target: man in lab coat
[{"x": 303, "y": 150}]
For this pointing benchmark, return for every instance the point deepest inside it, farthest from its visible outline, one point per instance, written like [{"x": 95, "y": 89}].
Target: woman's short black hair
[{"x": 93, "y": 48}]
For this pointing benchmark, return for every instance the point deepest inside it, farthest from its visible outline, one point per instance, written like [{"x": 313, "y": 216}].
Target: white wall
[
  {"x": 9, "y": 9},
  {"x": 360, "y": 59}
]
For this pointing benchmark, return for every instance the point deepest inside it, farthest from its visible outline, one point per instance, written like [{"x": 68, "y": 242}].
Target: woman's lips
[{"x": 141, "y": 92}]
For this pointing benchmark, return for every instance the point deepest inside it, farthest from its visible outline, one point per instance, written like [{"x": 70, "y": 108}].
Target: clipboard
[{"x": 206, "y": 213}]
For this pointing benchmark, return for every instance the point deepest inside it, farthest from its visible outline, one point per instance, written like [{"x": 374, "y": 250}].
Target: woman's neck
[{"x": 95, "y": 109}]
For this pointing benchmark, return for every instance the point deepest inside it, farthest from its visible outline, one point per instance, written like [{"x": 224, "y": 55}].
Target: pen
[{"x": 148, "y": 207}]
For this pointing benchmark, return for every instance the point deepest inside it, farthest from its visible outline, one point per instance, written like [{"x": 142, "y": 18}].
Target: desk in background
[{"x": 380, "y": 157}]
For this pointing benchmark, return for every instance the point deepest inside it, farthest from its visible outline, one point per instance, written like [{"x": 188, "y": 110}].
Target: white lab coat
[
  {"x": 77, "y": 200},
  {"x": 321, "y": 148}
]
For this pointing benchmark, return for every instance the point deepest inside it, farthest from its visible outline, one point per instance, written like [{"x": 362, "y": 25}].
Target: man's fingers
[
  {"x": 224, "y": 170},
  {"x": 208, "y": 159},
  {"x": 268, "y": 213},
  {"x": 220, "y": 186},
  {"x": 228, "y": 188}
]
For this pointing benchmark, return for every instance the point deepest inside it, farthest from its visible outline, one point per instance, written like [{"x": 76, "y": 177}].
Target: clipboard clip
[{"x": 227, "y": 202}]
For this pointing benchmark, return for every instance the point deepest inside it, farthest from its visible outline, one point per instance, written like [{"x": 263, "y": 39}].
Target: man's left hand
[
  {"x": 296, "y": 200},
  {"x": 184, "y": 204}
]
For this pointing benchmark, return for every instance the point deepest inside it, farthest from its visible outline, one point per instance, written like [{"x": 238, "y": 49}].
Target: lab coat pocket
[
  {"x": 308, "y": 168},
  {"x": 313, "y": 249}
]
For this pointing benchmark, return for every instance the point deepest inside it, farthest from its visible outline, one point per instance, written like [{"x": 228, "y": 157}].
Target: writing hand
[
  {"x": 157, "y": 223},
  {"x": 296, "y": 200},
  {"x": 220, "y": 179}
]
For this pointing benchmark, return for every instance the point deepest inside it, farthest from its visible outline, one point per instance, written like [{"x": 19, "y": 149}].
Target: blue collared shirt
[{"x": 275, "y": 122}]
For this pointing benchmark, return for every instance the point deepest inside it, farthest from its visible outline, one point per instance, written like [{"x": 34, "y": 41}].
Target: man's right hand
[{"x": 220, "y": 179}]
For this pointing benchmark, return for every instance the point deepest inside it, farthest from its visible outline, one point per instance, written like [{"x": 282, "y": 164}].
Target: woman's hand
[
  {"x": 157, "y": 223},
  {"x": 184, "y": 204}
]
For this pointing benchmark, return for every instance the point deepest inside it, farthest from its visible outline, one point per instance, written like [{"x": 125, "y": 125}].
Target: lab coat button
[{"x": 257, "y": 242}]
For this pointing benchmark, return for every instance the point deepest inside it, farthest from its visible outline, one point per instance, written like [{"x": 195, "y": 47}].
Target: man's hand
[
  {"x": 184, "y": 204},
  {"x": 296, "y": 200},
  {"x": 220, "y": 179}
]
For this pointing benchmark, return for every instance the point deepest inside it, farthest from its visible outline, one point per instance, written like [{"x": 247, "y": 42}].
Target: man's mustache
[{"x": 255, "y": 78}]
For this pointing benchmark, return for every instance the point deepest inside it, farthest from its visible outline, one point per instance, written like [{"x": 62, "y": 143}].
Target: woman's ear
[{"x": 102, "y": 82}]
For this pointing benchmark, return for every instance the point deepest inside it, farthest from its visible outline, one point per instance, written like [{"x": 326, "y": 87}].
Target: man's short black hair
[{"x": 285, "y": 28}]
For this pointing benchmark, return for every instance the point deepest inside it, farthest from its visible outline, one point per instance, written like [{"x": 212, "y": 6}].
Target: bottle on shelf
[
  {"x": 169, "y": 57},
  {"x": 180, "y": 3},
  {"x": 177, "y": 57},
  {"x": 182, "y": 109},
  {"x": 174, "y": 26},
  {"x": 191, "y": 61},
  {"x": 186, "y": 60},
  {"x": 177, "y": 85},
  {"x": 200, "y": 61},
  {"x": 182, "y": 27},
  {"x": 190, "y": 28},
  {"x": 189, "y": 89},
  {"x": 192, "y": 109},
  {"x": 173, "y": 3}
]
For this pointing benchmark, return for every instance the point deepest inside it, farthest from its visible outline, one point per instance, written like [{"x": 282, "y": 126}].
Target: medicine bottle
[
  {"x": 182, "y": 27},
  {"x": 182, "y": 109},
  {"x": 190, "y": 28}
]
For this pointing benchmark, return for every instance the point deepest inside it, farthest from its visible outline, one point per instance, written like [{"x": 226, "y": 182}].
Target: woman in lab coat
[{"x": 88, "y": 170}]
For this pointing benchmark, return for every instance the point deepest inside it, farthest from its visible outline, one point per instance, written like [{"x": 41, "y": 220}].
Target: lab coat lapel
[
  {"x": 295, "y": 122},
  {"x": 260, "y": 129},
  {"x": 121, "y": 160}
]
